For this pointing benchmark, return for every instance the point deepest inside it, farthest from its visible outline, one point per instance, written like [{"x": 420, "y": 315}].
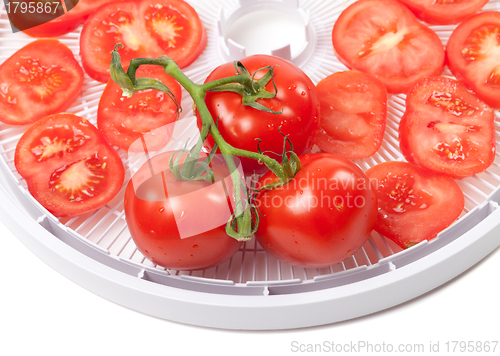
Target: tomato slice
[
  {"x": 447, "y": 129},
  {"x": 68, "y": 166},
  {"x": 123, "y": 120},
  {"x": 147, "y": 28},
  {"x": 68, "y": 21},
  {"x": 353, "y": 107},
  {"x": 383, "y": 38},
  {"x": 40, "y": 79},
  {"x": 444, "y": 12},
  {"x": 473, "y": 52},
  {"x": 413, "y": 204}
]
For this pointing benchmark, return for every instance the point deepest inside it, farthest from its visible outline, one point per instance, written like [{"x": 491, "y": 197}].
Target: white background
[{"x": 43, "y": 313}]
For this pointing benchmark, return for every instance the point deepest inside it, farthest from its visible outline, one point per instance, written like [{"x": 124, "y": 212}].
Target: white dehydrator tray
[{"x": 252, "y": 290}]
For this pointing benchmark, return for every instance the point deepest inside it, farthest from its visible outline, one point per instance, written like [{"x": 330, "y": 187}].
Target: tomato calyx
[
  {"x": 252, "y": 89},
  {"x": 131, "y": 85},
  {"x": 290, "y": 166},
  {"x": 191, "y": 169}
]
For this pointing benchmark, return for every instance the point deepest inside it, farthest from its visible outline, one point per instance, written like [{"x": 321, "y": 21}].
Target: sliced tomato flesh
[
  {"x": 40, "y": 79},
  {"x": 414, "y": 204},
  {"x": 122, "y": 121},
  {"x": 80, "y": 180},
  {"x": 148, "y": 28},
  {"x": 474, "y": 55},
  {"x": 444, "y": 12},
  {"x": 447, "y": 129},
  {"x": 384, "y": 39},
  {"x": 67, "y": 165},
  {"x": 400, "y": 197},
  {"x": 353, "y": 114}
]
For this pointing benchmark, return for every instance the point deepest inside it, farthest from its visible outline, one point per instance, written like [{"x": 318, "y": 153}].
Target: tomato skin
[
  {"x": 447, "y": 129},
  {"x": 241, "y": 125},
  {"x": 40, "y": 79},
  {"x": 64, "y": 151},
  {"x": 67, "y": 22},
  {"x": 153, "y": 225},
  {"x": 123, "y": 120},
  {"x": 383, "y": 38},
  {"x": 326, "y": 214},
  {"x": 353, "y": 114},
  {"x": 444, "y": 13},
  {"x": 138, "y": 25},
  {"x": 431, "y": 202},
  {"x": 472, "y": 58}
]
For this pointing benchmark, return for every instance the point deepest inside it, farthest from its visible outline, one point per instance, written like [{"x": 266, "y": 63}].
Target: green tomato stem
[{"x": 130, "y": 84}]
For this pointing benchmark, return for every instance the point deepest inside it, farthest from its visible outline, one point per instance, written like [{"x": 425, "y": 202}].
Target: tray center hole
[{"x": 263, "y": 31}]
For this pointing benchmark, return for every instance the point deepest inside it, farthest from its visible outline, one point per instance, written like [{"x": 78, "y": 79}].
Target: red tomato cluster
[{"x": 329, "y": 209}]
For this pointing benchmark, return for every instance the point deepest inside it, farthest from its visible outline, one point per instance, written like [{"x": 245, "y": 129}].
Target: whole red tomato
[
  {"x": 241, "y": 125},
  {"x": 321, "y": 217},
  {"x": 179, "y": 224}
]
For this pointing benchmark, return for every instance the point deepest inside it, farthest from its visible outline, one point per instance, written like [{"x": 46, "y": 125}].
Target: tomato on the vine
[
  {"x": 40, "y": 79},
  {"x": 414, "y": 204},
  {"x": 146, "y": 28},
  {"x": 68, "y": 166},
  {"x": 180, "y": 224},
  {"x": 123, "y": 120},
  {"x": 242, "y": 125},
  {"x": 322, "y": 216}
]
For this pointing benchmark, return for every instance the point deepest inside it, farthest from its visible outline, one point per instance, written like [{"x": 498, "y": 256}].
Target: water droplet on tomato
[
  {"x": 303, "y": 93},
  {"x": 161, "y": 210},
  {"x": 301, "y": 192},
  {"x": 271, "y": 127},
  {"x": 190, "y": 255},
  {"x": 195, "y": 246},
  {"x": 146, "y": 251},
  {"x": 291, "y": 87}
]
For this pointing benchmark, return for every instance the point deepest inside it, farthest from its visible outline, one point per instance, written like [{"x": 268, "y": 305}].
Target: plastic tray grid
[{"x": 105, "y": 230}]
